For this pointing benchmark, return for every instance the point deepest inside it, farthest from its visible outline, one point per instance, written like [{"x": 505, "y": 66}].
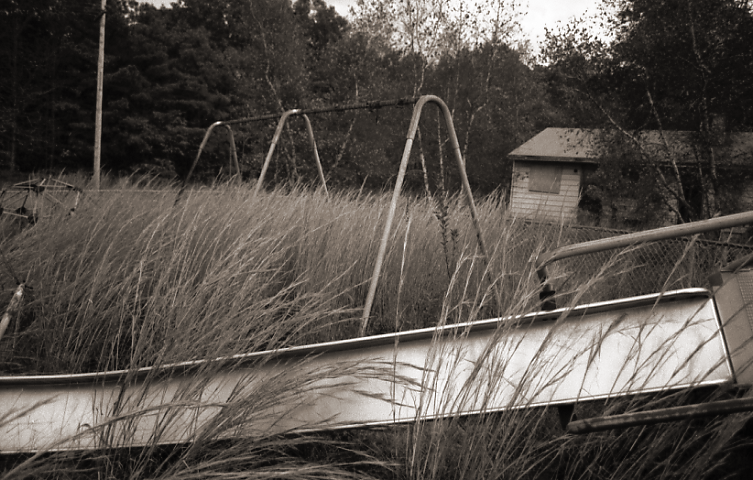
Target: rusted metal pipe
[
  {"x": 396, "y": 194},
  {"x": 337, "y": 108},
  {"x": 663, "y": 415}
]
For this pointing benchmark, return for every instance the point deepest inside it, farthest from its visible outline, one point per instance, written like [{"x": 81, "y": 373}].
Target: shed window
[{"x": 545, "y": 178}]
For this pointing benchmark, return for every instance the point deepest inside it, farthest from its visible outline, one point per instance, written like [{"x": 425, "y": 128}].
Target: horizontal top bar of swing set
[
  {"x": 341, "y": 108},
  {"x": 637, "y": 238}
]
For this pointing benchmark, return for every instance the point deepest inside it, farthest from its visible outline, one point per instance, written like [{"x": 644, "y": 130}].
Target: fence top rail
[
  {"x": 637, "y": 238},
  {"x": 606, "y": 232}
]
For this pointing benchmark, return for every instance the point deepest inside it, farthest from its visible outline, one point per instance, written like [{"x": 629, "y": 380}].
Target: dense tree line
[
  {"x": 671, "y": 66},
  {"x": 171, "y": 72}
]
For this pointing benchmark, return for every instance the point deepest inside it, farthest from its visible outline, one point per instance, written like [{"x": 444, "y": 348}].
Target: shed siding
[{"x": 545, "y": 206}]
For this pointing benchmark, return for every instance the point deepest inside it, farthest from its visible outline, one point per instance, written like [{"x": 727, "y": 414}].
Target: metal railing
[{"x": 630, "y": 240}]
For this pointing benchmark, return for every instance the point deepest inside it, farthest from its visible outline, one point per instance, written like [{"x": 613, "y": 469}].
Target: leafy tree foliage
[
  {"x": 49, "y": 45},
  {"x": 171, "y": 72},
  {"x": 320, "y": 23},
  {"x": 696, "y": 66},
  {"x": 673, "y": 65}
]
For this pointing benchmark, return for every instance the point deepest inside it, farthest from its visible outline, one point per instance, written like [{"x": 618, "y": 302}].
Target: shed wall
[{"x": 545, "y": 206}]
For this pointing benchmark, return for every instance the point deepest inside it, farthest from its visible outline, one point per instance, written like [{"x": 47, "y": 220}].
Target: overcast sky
[{"x": 541, "y": 13}]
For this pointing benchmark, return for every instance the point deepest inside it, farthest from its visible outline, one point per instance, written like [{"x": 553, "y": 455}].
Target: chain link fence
[{"x": 648, "y": 268}]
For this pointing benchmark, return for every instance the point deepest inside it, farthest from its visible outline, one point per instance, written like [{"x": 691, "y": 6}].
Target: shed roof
[
  {"x": 560, "y": 145},
  {"x": 582, "y": 145}
]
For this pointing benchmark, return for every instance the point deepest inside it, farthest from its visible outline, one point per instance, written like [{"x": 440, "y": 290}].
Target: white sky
[{"x": 541, "y": 13}]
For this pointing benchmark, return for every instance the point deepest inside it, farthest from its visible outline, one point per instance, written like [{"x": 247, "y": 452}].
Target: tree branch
[{"x": 644, "y": 156}]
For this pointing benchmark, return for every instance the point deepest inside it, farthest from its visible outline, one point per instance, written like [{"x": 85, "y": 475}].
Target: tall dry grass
[
  {"x": 134, "y": 279},
  {"x": 144, "y": 277}
]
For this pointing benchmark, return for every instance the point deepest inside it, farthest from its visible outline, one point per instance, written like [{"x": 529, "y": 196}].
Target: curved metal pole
[
  {"x": 312, "y": 140},
  {"x": 636, "y": 238},
  {"x": 233, "y": 153},
  {"x": 271, "y": 116},
  {"x": 396, "y": 194},
  {"x": 201, "y": 149},
  {"x": 275, "y": 139}
]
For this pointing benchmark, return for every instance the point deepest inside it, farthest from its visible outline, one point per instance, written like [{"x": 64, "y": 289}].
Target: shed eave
[{"x": 531, "y": 158}]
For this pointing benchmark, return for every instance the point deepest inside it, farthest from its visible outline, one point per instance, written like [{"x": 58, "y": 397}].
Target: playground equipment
[
  {"x": 278, "y": 132},
  {"x": 556, "y": 357},
  {"x": 33, "y": 198}
]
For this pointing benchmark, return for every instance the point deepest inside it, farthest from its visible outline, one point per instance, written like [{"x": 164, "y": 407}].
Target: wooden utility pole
[{"x": 98, "y": 119}]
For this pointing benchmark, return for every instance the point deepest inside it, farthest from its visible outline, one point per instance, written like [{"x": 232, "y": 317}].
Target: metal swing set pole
[
  {"x": 417, "y": 109},
  {"x": 278, "y": 132}
]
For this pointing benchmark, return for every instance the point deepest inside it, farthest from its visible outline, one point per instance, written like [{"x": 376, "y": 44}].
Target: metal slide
[
  {"x": 651, "y": 343},
  {"x": 637, "y": 345}
]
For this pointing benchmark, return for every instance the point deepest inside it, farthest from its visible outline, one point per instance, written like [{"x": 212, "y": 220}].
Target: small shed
[{"x": 548, "y": 172}]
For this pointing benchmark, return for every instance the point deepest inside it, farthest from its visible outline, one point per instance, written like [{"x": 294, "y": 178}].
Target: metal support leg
[
  {"x": 233, "y": 153},
  {"x": 396, "y": 194},
  {"x": 315, "y": 151},
  {"x": 275, "y": 139}
]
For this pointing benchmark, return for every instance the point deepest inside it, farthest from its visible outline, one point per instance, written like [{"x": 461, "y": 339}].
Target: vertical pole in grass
[
  {"x": 233, "y": 153},
  {"x": 98, "y": 115}
]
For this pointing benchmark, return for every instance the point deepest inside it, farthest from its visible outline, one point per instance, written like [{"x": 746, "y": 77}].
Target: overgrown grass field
[{"x": 135, "y": 278}]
